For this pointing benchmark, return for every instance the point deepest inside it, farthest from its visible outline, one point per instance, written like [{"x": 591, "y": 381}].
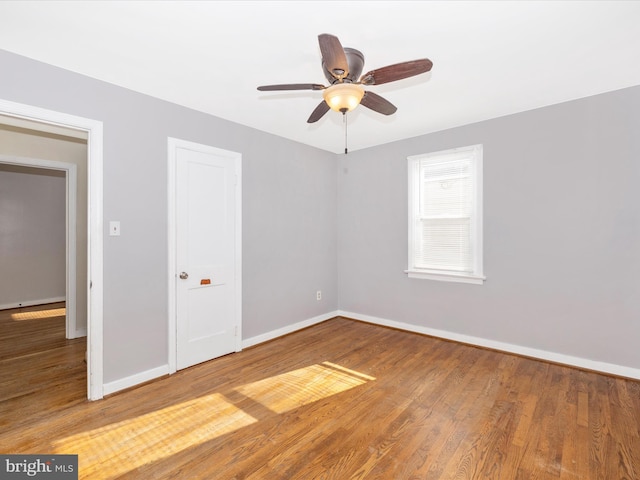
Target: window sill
[{"x": 445, "y": 277}]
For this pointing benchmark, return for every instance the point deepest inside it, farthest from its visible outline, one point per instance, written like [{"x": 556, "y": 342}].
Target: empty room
[{"x": 320, "y": 240}]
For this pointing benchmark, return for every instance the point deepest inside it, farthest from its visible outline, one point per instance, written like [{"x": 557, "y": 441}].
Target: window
[{"x": 445, "y": 215}]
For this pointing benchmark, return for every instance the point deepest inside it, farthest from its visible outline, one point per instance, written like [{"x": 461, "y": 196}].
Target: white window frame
[{"x": 476, "y": 275}]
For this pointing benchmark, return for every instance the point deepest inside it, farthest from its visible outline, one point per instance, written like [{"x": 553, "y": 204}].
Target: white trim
[
  {"x": 137, "y": 379},
  {"x": 238, "y": 252},
  {"x": 579, "y": 362},
  {"x": 171, "y": 255},
  {"x": 31, "y": 303},
  {"x": 445, "y": 277},
  {"x": 475, "y": 153},
  {"x": 45, "y": 127},
  {"x": 71, "y": 188},
  {"x": 172, "y": 145},
  {"x": 478, "y": 225},
  {"x": 95, "y": 298},
  {"x": 265, "y": 337},
  {"x": 94, "y": 131},
  {"x": 71, "y": 306}
]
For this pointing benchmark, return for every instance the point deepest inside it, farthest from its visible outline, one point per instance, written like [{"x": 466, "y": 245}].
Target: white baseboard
[
  {"x": 265, "y": 337},
  {"x": 554, "y": 357},
  {"x": 136, "y": 379},
  {"x": 31, "y": 303},
  {"x": 154, "y": 373},
  {"x": 584, "y": 363}
]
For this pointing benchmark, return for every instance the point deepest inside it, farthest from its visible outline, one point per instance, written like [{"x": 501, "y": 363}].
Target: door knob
[{"x": 184, "y": 275}]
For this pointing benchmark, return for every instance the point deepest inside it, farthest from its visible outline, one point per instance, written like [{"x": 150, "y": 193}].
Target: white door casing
[
  {"x": 94, "y": 129},
  {"x": 204, "y": 253}
]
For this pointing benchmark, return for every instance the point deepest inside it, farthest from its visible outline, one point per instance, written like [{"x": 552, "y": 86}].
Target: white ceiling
[{"x": 490, "y": 58}]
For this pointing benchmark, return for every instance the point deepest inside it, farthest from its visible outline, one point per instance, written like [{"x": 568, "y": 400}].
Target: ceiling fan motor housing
[{"x": 355, "y": 61}]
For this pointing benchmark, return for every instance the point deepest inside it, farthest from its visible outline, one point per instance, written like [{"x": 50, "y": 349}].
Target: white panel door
[{"x": 206, "y": 319}]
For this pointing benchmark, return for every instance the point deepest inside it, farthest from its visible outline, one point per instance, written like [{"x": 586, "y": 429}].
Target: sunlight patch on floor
[
  {"x": 39, "y": 314},
  {"x": 287, "y": 391},
  {"x": 110, "y": 451}
]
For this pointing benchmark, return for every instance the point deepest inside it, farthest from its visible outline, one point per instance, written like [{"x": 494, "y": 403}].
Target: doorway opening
[
  {"x": 40, "y": 256},
  {"x": 53, "y": 123}
]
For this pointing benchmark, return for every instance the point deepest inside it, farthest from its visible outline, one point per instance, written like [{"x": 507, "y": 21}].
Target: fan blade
[
  {"x": 333, "y": 57},
  {"x": 318, "y": 113},
  {"x": 378, "y": 104},
  {"x": 395, "y": 72},
  {"x": 292, "y": 86}
]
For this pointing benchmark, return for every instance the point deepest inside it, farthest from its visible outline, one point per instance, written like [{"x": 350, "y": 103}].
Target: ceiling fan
[{"x": 342, "y": 67}]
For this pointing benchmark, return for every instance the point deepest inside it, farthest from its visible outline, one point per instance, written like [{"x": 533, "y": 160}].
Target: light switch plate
[{"x": 114, "y": 228}]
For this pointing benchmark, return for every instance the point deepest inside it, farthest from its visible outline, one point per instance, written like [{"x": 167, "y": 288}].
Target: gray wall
[
  {"x": 562, "y": 223},
  {"x": 289, "y": 204},
  {"x": 32, "y": 235},
  {"x": 561, "y": 232}
]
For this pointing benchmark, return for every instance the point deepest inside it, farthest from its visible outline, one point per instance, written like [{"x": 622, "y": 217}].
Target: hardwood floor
[
  {"x": 35, "y": 356},
  {"x": 340, "y": 400}
]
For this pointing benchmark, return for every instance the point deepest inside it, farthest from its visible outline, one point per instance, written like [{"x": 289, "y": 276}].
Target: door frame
[
  {"x": 71, "y": 183},
  {"x": 94, "y": 130},
  {"x": 173, "y": 144}
]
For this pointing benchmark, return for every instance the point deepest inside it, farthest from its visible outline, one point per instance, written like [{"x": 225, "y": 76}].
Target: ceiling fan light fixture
[{"x": 343, "y": 97}]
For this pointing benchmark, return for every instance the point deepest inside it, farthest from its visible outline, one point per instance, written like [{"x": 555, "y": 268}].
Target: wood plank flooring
[
  {"x": 340, "y": 400},
  {"x": 36, "y": 356}
]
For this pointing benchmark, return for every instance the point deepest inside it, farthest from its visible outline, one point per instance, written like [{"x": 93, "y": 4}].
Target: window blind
[{"x": 445, "y": 216}]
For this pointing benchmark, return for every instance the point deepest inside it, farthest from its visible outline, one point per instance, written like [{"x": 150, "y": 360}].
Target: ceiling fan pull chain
[{"x": 344, "y": 120}]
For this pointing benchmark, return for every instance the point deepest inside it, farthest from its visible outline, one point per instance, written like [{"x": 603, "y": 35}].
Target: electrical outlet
[{"x": 319, "y": 295}]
